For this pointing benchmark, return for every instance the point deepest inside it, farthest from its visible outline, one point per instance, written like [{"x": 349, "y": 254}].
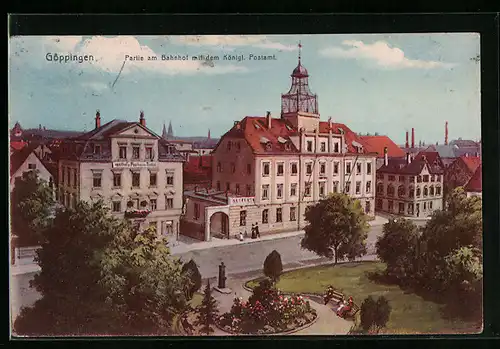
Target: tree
[
  {"x": 207, "y": 311},
  {"x": 382, "y": 313},
  {"x": 368, "y": 310},
  {"x": 337, "y": 228},
  {"x": 100, "y": 275},
  {"x": 273, "y": 266},
  {"x": 31, "y": 208},
  {"x": 398, "y": 247},
  {"x": 190, "y": 269}
]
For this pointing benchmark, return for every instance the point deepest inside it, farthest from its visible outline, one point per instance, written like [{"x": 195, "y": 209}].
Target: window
[
  {"x": 390, "y": 190},
  {"x": 237, "y": 189},
  {"x": 122, "y": 152},
  {"x": 117, "y": 206},
  {"x": 426, "y": 178},
  {"x": 412, "y": 179},
  {"x": 265, "y": 169},
  {"x": 425, "y": 206},
  {"x": 229, "y": 144},
  {"x": 369, "y": 186},
  {"x": 279, "y": 191},
  {"x": 68, "y": 173},
  {"x": 135, "y": 152},
  {"x": 418, "y": 192},
  {"x": 294, "y": 168},
  {"x": 280, "y": 169},
  {"x": 438, "y": 190},
  {"x": 380, "y": 176},
  {"x": 433, "y": 178},
  {"x": 401, "y": 178},
  {"x": 97, "y": 149},
  {"x": 238, "y": 147},
  {"x": 431, "y": 190},
  {"x": 335, "y": 186},
  {"x": 358, "y": 168},
  {"x": 322, "y": 191},
  {"x": 347, "y": 187},
  {"x": 196, "y": 211},
  {"x": 430, "y": 205},
  {"x": 391, "y": 205},
  {"x": 368, "y": 168},
  {"x": 307, "y": 190},
  {"x": 323, "y": 147},
  {"x": 63, "y": 174},
  {"x": 265, "y": 192},
  {"x": 401, "y": 208},
  {"x": 152, "y": 204},
  {"x": 419, "y": 179},
  {"x": 219, "y": 167},
  {"x": 401, "y": 191},
  {"x": 293, "y": 189},
  {"x": 152, "y": 179},
  {"x": 348, "y": 168},
  {"x": 380, "y": 189},
  {"x": 411, "y": 192},
  {"x": 249, "y": 190},
  {"x": 265, "y": 216},
  {"x": 75, "y": 179},
  {"x": 379, "y": 204},
  {"x": 170, "y": 177},
  {"x": 309, "y": 167},
  {"x": 426, "y": 191},
  {"x": 410, "y": 208},
  {"x": 228, "y": 186},
  {"x": 392, "y": 178},
  {"x": 117, "y": 179},
  {"x": 358, "y": 187},
  {"x": 293, "y": 214},
  {"x": 233, "y": 167},
  {"x": 149, "y": 153},
  {"x": 32, "y": 166},
  {"x": 279, "y": 215},
  {"x": 249, "y": 169},
  {"x": 97, "y": 176},
  {"x": 309, "y": 146},
  {"x": 218, "y": 185},
  {"x": 136, "y": 179},
  {"x": 335, "y": 168},
  {"x": 322, "y": 168},
  {"x": 336, "y": 148},
  {"x": 169, "y": 203},
  {"x": 243, "y": 218},
  {"x": 438, "y": 178}
]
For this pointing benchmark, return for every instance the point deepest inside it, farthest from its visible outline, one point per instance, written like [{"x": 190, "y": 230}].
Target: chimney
[
  {"x": 412, "y": 137},
  {"x": 408, "y": 158},
  {"x": 97, "y": 119},
  {"x": 386, "y": 157},
  {"x": 446, "y": 133},
  {"x": 39, "y": 126},
  {"x": 330, "y": 123},
  {"x": 141, "y": 119},
  {"x": 407, "y": 144},
  {"x": 268, "y": 119}
]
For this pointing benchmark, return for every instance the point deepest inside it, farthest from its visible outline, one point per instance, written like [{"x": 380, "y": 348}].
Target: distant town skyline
[{"x": 385, "y": 83}]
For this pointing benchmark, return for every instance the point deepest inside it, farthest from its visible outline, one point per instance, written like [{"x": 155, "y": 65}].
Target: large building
[
  {"x": 129, "y": 167},
  {"x": 412, "y": 186},
  {"x": 459, "y": 172},
  {"x": 268, "y": 170}
]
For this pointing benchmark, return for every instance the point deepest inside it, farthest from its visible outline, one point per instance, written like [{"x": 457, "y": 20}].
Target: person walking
[
  {"x": 254, "y": 234},
  {"x": 257, "y": 233}
]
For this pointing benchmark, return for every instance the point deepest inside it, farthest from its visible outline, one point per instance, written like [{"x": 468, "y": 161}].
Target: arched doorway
[{"x": 219, "y": 225}]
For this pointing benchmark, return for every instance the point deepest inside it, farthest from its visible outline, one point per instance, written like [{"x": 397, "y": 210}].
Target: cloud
[
  {"x": 96, "y": 86},
  {"x": 231, "y": 41},
  {"x": 109, "y": 55},
  {"x": 382, "y": 54}
]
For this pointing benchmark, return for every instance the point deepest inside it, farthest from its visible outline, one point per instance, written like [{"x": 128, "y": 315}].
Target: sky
[{"x": 385, "y": 83}]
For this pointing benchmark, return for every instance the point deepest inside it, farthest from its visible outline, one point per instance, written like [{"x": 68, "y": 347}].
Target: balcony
[{"x": 134, "y": 213}]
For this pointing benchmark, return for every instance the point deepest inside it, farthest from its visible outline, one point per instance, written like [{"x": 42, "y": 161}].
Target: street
[{"x": 237, "y": 258}]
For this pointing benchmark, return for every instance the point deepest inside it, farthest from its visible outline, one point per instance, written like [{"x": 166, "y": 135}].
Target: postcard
[{"x": 235, "y": 185}]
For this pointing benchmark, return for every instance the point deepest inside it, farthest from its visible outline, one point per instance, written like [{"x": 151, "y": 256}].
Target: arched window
[
  {"x": 265, "y": 216},
  {"x": 418, "y": 192},
  {"x": 401, "y": 191},
  {"x": 426, "y": 191},
  {"x": 390, "y": 190},
  {"x": 380, "y": 188},
  {"x": 431, "y": 189},
  {"x": 411, "y": 191},
  {"x": 438, "y": 190}
]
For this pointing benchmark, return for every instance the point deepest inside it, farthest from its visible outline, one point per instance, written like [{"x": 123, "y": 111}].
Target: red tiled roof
[
  {"x": 415, "y": 167},
  {"x": 376, "y": 144},
  {"x": 18, "y": 145},
  {"x": 432, "y": 157},
  {"x": 472, "y": 162},
  {"x": 255, "y": 131},
  {"x": 19, "y": 157},
  {"x": 475, "y": 184},
  {"x": 198, "y": 164}
]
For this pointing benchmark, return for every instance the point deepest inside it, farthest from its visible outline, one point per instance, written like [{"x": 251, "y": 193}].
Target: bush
[
  {"x": 368, "y": 309},
  {"x": 383, "y": 311},
  {"x": 273, "y": 266},
  {"x": 191, "y": 270},
  {"x": 207, "y": 311}
]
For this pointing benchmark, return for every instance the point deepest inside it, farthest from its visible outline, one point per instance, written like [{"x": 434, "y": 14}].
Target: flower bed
[{"x": 267, "y": 311}]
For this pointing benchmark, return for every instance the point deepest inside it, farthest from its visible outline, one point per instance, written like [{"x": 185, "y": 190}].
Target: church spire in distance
[
  {"x": 164, "y": 132},
  {"x": 170, "y": 133}
]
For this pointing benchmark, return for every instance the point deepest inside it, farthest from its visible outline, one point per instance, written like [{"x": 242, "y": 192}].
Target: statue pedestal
[{"x": 223, "y": 290}]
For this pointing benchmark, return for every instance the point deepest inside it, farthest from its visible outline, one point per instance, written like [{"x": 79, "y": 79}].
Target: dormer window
[
  {"x": 287, "y": 146},
  {"x": 269, "y": 146},
  {"x": 97, "y": 149}
]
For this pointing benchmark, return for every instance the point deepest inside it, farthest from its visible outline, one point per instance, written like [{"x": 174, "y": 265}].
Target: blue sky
[{"x": 373, "y": 83}]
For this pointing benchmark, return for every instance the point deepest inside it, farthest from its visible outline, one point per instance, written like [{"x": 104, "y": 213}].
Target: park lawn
[{"x": 410, "y": 312}]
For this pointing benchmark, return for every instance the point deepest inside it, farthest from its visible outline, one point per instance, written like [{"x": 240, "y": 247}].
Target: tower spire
[
  {"x": 170, "y": 133},
  {"x": 300, "y": 50},
  {"x": 164, "y": 132}
]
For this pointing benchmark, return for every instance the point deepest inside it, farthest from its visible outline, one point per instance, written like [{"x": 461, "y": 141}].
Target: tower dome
[{"x": 300, "y": 71}]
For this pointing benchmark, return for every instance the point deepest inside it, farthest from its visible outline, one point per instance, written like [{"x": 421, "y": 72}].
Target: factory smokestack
[
  {"x": 412, "y": 137},
  {"x": 446, "y": 133},
  {"x": 407, "y": 145}
]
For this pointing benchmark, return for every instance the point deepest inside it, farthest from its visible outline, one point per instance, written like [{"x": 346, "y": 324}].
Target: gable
[{"x": 135, "y": 131}]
